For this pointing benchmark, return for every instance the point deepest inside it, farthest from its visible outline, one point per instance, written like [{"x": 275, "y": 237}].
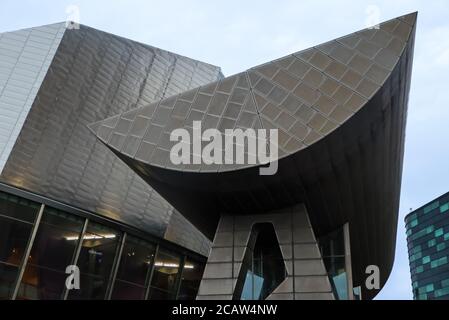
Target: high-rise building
[
  {"x": 87, "y": 181},
  {"x": 428, "y": 248}
]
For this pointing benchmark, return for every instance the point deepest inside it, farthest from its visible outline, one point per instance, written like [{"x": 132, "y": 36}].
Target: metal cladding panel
[
  {"x": 95, "y": 75},
  {"x": 25, "y": 56},
  {"x": 340, "y": 108}
]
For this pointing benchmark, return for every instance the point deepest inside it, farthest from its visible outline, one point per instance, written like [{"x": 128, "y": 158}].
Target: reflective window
[
  {"x": 445, "y": 283},
  {"x": 16, "y": 222},
  {"x": 134, "y": 269},
  {"x": 438, "y": 262},
  {"x": 263, "y": 268},
  {"x": 444, "y": 208},
  {"x": 439, "y": 232},
  {"x": 426, "y": 289},
  {"x": 441, "y": 292},
  {"x": 422, "y": 232},
  {"x": 53, "y": 250},
  {"x": 190, "y": 281},
  {"x": 333, "y": 254},
  {"x": 165, "y": 276},
  {"x": 422, "y": 296},
  {"x": 18, "y": 208},
  {"x": 415, "y": 256},
  {"x": 431, "y": 207},
  {"x": 95, "y": 261},
  {"x": 411, "y": 217},
  {"x": 357, "y": 292}
]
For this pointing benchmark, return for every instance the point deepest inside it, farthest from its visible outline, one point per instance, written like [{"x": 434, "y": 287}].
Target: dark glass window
[
  {"x": 134, "y": 269},
  {"x": 53, "y": 250},
  {"x": 127, "y": 291},
  {"x": 332, "y": 249},
  {"x": 263, "y": 267},
  {"x": 431, "y": 207},
  {"x": 16, "y": 222},
  {"x": 95, "y": 261},
  {"x": 165, "y": 276},
  {"x": 190, "y": 281},
  {"x": 18, "y": 208}
]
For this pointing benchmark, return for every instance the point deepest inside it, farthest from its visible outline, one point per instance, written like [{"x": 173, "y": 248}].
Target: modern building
[
  {"x": 141, "y": 227},
  {"x": 428, "y": 249},
  {"x": 59, "y": 185},
  {"x": 311, "y": 230}
]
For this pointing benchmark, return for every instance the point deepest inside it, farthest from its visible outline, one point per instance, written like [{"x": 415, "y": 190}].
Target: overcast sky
[{"x": 236, "y": 35}]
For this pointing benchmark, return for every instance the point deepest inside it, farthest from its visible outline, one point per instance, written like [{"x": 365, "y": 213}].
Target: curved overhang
[{"x": 340, "y": 109}]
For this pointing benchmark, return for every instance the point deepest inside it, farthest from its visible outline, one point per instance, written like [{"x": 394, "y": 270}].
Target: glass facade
[
  {"x": 332, "y": 247},
  {"x": 17, "y": 218},
  {"x": 39, "y": 239},
  {"x": 263, "y": 267},
  {"x": 428, "y": 248},
  {"x": 52, "y": 251},
  {"x": 134, "y": 271},
  {"x": 190, "y": 280}
]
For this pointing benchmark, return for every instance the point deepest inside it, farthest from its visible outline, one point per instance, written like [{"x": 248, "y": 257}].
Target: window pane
[
  {"x": 157, "y": 294},
  {"x": 127, "y": 291},
  {"x": 263, "y": 267},
  {"x": 191, "y": 278},
  {"x": 53, "y": 250},
  {"x": 14, "y": 237},
  {"x": 337, "y": 273},
  {"x": 8, "y": 275},
  {"x": 165, "y": 271},
  {"x": 136, "y": 260},
  {"x": 41, "y": 283},
  {"x": 333, "y": 253},
  {"x": 431, "y": 207},
  {"x": 439, "y": 232},
  {"x": 98, "y": 250},
  {"x": 18, "y": 208},
  {"x": 333, "y": 244},
  {"x": 91, "y": 288},
  {"x": 95, "y": 261}
]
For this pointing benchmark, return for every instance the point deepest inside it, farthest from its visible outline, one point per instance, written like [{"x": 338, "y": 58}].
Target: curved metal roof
[{"x": 340, "y": 109}]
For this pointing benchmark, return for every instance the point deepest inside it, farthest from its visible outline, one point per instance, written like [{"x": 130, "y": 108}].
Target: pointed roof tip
[{"x": 410, "y": 18}]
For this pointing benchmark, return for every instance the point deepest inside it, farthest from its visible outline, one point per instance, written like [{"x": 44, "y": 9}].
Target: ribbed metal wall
[
  {"x": 25, "y": 57},
  {"x": 95, "y": 75}
]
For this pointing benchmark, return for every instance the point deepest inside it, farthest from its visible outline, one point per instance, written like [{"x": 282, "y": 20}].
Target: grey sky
[{"x": 240, "y": 34}]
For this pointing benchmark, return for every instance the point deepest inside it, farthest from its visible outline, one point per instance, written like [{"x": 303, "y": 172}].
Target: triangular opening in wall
[{"x": 263, "y": 268}]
